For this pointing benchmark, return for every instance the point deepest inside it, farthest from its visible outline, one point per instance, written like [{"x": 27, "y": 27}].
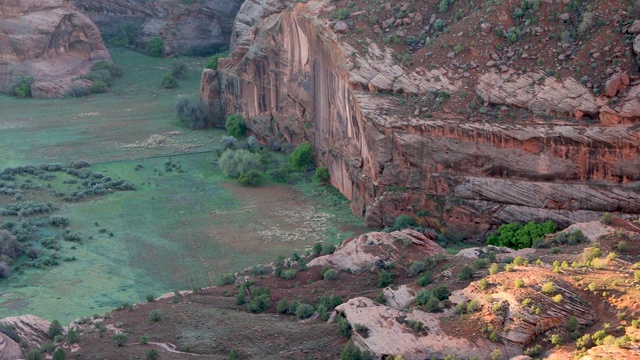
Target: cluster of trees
[{"x": 517, "y": 236}]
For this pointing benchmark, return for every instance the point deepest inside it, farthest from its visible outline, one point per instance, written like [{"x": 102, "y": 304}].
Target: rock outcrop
[
  {"x": 367, "y": 250},
  {"x": 47, "y": 40},
  {"x": 294, "y": 79},
  {"x": 31, "y": 329},
  {"x": 9, "y": 349},
  {"x": 196, "y": 26}
]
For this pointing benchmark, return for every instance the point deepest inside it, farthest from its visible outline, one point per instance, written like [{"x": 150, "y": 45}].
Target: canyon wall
[
  {"x": 48, "y": 40},
  {"x": 292, "y": 79},
  {"x": 196, "y": 26}
]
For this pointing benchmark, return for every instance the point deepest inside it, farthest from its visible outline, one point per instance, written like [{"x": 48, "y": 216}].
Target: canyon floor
[{"x": 185, "y": 224}]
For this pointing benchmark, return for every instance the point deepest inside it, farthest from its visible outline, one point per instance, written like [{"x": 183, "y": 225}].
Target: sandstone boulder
[
  {"x": 617, "y": 82},
  {"x": 9, "y": 349},
  {"x": 364, "y": 252},
  {"x": 30, "y": 328},
  {"x": 50, "y": 41},
  {"x": 341, "y": 27}
]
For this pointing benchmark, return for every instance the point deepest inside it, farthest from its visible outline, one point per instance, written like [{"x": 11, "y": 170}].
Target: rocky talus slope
[
  {"x": 184, "y": 26},
  {"x": 48, "y": 40},
  {"x": 406, "y": 136}
]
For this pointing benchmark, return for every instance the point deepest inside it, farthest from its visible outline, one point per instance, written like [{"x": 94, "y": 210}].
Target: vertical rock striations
[{"x": 293, "y": 79}]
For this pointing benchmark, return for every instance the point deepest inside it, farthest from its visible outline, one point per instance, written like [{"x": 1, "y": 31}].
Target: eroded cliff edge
[
  {"x": 50, "y": 41},
  {"x": 294, "y": 78}
]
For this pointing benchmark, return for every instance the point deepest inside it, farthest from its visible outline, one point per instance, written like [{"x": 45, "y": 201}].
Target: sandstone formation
[
  {"x": 196, "y": 26},
  {"x": 47, "y": 40},
  {"x": 30, "y": 328},
  {"x": 367, "y": 250},
  {"x": 9, "y": 349},
  {"x": 388, "y": 333},
  {"x": 293, "y": 78}
]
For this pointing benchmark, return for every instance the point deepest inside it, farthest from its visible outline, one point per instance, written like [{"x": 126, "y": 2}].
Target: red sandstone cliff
[
  {"x": 292, "y": 77},
  {"x": 48, "y": 40}
]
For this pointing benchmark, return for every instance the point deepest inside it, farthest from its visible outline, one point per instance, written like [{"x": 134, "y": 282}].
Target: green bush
[
  {"x": 115, "y": 70},
  {"x": 178, "y": 69},
  {"x": 424, "y": 279},
  {"x": 466, "y": 273},
  {"x": 607, "y": 218},
  {"x": 304, "y": 311},
  {"x": 496, "y": 355},
  {"x": 534, "y": 351},
  {"x": 548, "y": 288},
  {"x": 259, "y": 303},
  {"x": 152, "y": 354},
  {"x": 55, "y": 329},
  {"x": 520, "y": 236},
  {"x": 59, "y": 355},
  {"x": 572, "y": 324},
  {"x": 321, "y": 174},
  {"x": 23, "y": 87},
  {"x": 233, "y": 355},
  {"x": 34, "y": 354},
  {"x": 416, "y": 268},
  {"x": 494, "y": 269},
  {"x": 352, "y": 352},
  {"x": 441, "y": 292},
  {"x": 235, "y": 125},
  {"x": 330, "y": 274},
  {"x": 235, "y": 163},
  {"x": 155, "y": 315},
  {"x": 226, "y": 279},
  {"x": 473, "y": 306},
  {"x": 251, "y": 178},
  {"x": 155, "y": 46},
  {"x": 343, "y": 326},
  {"x": 402, "y": 222},
  {"x": 72, "y": 336},
  {"x": 288, "y": 274},
  {"x": 169, "y": 81},
  {"x": 302, "y": 156},
  {"x": 98, "y": 87},
  {"x": 519, "y": 283},
  {"x": 483, "y": 284},
  {"x": 119, "y": 339},
  {"x": 189, "y": 111},
  {"x": 384, "y": 279},
  {"x": 212, "y": 63}
]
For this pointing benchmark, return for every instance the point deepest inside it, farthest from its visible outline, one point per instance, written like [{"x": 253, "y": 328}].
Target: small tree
[
  {"x": 72, "y": 336},
  {"x": 119, "y": 339},
  {"x": 152, "y": 354},
  {"x": 189, "y": 111},
  {"x": 384, "y": 279},
  {"x": 169, "y": 81},
  {"x": 178, "y": 69},
  {"x": 155, "y": 46},
  {"x": 466, "y": 273},
  {"x": 59, "y": 355},
  {"x": 321, "y": 174},
  {"x": 55, "y": 329},
  {"x": 606, "y": 218},
  {"x": 302, "y": 156},
  {"x": 23, "y": 88},
  {"x": 235, "y": 125}
]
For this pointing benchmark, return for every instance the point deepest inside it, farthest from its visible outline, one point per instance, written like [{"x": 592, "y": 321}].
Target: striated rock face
[
  {"x": 390, "y": 334},
  {"x": 48, "y": 40},
  {"x": 294, "y": 80},
  {"x": 9, "y": 349},
  {"x": 183, "y": 26},
  {"x": 366, "y": 250},
  {"x": 30, "y": 328}
]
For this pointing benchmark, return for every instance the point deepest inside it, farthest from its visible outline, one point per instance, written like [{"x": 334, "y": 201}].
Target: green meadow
[{"x": 183, "y": 226}]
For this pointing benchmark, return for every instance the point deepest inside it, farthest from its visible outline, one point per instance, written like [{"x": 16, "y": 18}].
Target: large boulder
[{"x": 47, "y": 40}]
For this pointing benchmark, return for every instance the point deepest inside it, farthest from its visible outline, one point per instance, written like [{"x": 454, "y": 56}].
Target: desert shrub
[
  {"x": 178, "y": 69},
  {"x": 558, "y": 298},
  {"x": 226, "y": 279},
  {"x": 606, "y": 219},
  {"x": 34, "y": 354},
  {"x": 235, "y": 163},
  {"x": 155, "y": 46},
  {"x": 235, "y": 125},
  {"x": 169, "y": 81},
  {"x": 55, "y": 329},
  {"x": 480, "y": 263},
  {"x": 317, "y": 248},
  {"x": 402, "y": 222},
  {"x": 416, "y": 268},
  {"x": 584, "y": 342},
  {"x": 321, "y": 174},
  {"x": 496, "y": 355},
  {"x": 120, "y": 339},
  {"x": 384, "y": 279},
  {"x": 260, "y": 270},
  {"x": 78, "y": 89},
  {"x": 190, "y": 112},
  {"x": 72, "y": 336},
  {"x": 483, "y": 284},
  {"x": 304, "y": 311},
  {"x": 534, "y": 351},
  {"x": 10, "y": 332},
  {"x": 9, "y": 245},
  {"x": 259, "y": 303},
  {"x": 424, "y": 279},
  {"x": 352, "y": 352},
  {"x": 283, "y": 306},
  {"x": 519, "y": 261},
  {"x": 473, "y": 306},
  {"x": 556, "y": 340},
  {"x": 115, "y": 70},
  {"x": 252, "y": 143},
  {"x": 548, "y": 288},
  {"x": 98, "y": 87},
  {"x": 228, "y": 142},
  {"x": 494, "y": 269},
  {"x": 519, "y": 283},
  {"x": 577, "y": 237},
  {"x": 301, "y": 157},
  {"x": 441, "y": 292},
  {"x": 572, "y": 324},
  {"x": 623, "y": 247},
  {"x": 59, "y": 355},
  {"x": 328, "y": 249},
  {"x": 152, "y": 354},
  {"x": 212, "y": 63},
  {"x": 466, "y": 273},
  {"x": 288, "y": 274},
  {"x": 251, "y": 178},
  {"x": 155, "y": 316},
  {"x": 123, "y": 35},
  {"x": 422, "y": 296},
  {"x": 233, "y": 355},
  {"x": 23, "y": 87},
  {"x": 343, "y": 326},
  {"x": 330, "y": 274},
  {"x": 520, "y": 236}
]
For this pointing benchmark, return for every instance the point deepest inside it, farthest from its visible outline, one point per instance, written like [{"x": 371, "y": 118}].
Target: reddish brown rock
[
  {"x": 617, "y": 82},
  {"x": 341, "y": 27},
  {"x": 9, "y": 349},
  {"x": 48, "y": 40}
]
